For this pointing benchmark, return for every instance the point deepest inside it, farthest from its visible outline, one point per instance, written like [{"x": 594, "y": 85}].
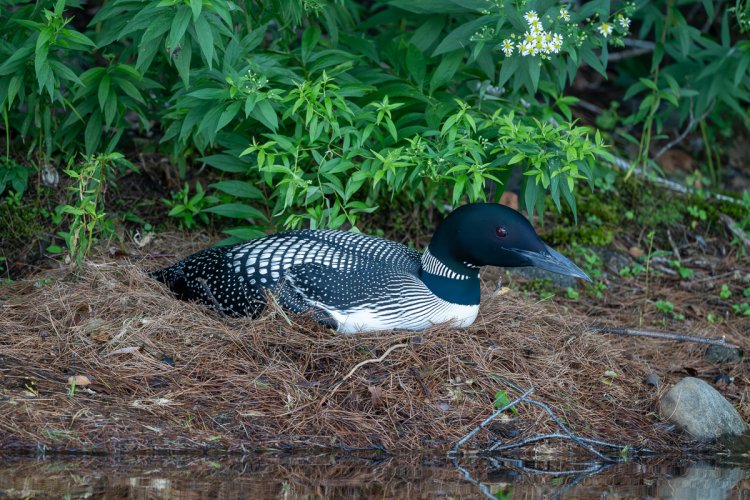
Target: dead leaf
[
  {"x": 636, "y": 252},
  {"x": 376, "y": 393},
  {"x": 674, "y": 160},
  {"x": 509, "y": 199},
  {"x": 79, "y": 380}
]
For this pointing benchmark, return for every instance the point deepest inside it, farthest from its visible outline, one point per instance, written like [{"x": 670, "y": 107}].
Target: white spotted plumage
[{"x": 355, "y": 281}]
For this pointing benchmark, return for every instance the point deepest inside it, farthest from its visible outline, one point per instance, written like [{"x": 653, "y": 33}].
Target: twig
[
  {"x": 575, "y": 438},
  {"x": 675, "y": 250},
  {"x": 662, "y": 335},
  {"x": 691, "y": 124},
  {"x": 735, "y": 229},
  {"x": 489, "y": 419},
  {"x": 625, "y": 54},
  {"x": 367, "y": 361},
  {"x": 417, "y": 376},
  {"x": 210, "y": 295}
]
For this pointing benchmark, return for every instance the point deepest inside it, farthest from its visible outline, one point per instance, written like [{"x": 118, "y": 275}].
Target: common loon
[{"x": 356, "y": 282}]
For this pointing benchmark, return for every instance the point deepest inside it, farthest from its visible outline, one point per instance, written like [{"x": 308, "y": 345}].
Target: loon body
[{"x": 356, "y": 282}]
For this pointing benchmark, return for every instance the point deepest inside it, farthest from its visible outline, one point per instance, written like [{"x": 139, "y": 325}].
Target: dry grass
[{"x": 169, "y": 375}]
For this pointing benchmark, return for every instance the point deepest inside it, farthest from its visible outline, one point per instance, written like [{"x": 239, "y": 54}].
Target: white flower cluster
[{"x": 536, "y": 40}]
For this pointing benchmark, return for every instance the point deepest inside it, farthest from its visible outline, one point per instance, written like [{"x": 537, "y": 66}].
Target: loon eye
[{"x": 501, "y": 231}]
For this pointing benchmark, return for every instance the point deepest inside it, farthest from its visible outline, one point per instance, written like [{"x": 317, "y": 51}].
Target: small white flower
[
  {"x": 507, "y": 47},
  {"x": 535, "y": 27},
  {"x": 526, "y": 48},
  {"x": 531, "y": 16},
  {"x": 529, "y": 37},
  {"x": 605, "y": 29},
  {"x": 624, "y": 21},
  {"x": 564, "y": 14},
  {"x": 556, "y": 44}
]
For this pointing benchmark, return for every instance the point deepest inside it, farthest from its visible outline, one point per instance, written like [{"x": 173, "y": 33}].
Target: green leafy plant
[
  {"x": 189, "y": 209},
  {"x": 667, "y": 309},
  {"x": 502, "y": 400},
  {"x": 88, "y": 221},
  {"x": 725, "y": 291},
  {"x": 685, "y": 272}
]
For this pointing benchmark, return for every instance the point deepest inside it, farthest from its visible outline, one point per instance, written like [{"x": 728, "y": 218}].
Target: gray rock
[
  {"x": 615, "y": 261},
  {"x": 701, "y": 410},
  {"x": 653, "y": 379},
  {"x": 719, "y": 354},
  {"x": 701, "y": 482},
  {"x": 534, "y": 273}
]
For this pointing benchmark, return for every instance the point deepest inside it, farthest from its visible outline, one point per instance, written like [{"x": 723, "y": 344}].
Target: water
[{"x": 331, "y": 476}]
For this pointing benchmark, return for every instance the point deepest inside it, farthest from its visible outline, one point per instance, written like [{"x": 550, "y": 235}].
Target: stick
[
  {"x": 363, "y": 363},
  {"x": 735, "y": 229},
  {"x": 662, "y": 335},
  {"x": 691, "y": 124},
  {"x": 625, "y": 165},
  {"x": 489, "y": 419},
  {"x": 210, "y": 295},
  {"x": 575, "y": 438}
]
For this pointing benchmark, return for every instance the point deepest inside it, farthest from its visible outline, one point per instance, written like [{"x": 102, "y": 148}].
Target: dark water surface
[{"x": 332, "y": 476}]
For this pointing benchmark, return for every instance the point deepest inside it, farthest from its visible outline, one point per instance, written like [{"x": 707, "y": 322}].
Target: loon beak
[{"x": 553, "y": 261}]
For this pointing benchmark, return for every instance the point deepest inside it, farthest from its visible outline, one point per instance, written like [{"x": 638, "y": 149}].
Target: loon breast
[{"x": 354, "y": 281}]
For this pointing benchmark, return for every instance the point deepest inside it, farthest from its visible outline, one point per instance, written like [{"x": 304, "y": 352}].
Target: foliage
[
  {"x": 314, "y": 113},
  {"x": 333, "y": 120},
  {"x": 87, "y": 216}
]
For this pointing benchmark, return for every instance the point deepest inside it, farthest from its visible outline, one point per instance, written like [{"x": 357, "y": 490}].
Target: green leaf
[
  {"x": 103, "y": 93},
  {"x": 240, "y": 189},
  {"x": 502, "y": 400},
  {"x": 534, "y": 68},
  {"x": 93, "y": 133},
  {"x": 428, "y": 33},
  {"x": 179, "y": 26},
  {"x": 196, "y": 6},
  {"x": 309, "y": 41},
  {"x": 264, "y": 113},
  {"x": 460, "y": 38},
  {"x": 246, "y": 232},
  {"x": 182, "y": 62},
  {"x": 507, "y": 68},
  {"x": 227, "y": 163},
  {"x": 446, "y": 69},
  {"x": 416, "y": 64},
  {"x": 236, "y": 211},
  {"x": 228, "y": 115},
  {"x": 209, "y": 94},
  {"x": 205, "y": 39}
]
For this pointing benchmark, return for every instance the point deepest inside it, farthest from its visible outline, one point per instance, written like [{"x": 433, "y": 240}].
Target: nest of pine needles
[{"x": 104, "y": 359}]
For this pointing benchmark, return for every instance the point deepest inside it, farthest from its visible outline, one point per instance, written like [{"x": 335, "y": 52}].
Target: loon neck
[{"x": 453, "y": 281}]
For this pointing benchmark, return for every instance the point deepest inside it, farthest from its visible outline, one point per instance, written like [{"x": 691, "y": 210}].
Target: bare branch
[{"x": 662, "y": 335}]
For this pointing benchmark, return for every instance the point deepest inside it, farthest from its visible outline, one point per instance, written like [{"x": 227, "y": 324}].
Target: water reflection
[{"x": 328, "y": 476}]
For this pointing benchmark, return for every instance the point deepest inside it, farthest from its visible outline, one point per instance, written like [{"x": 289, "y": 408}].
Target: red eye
[{"x": 501, "y": 231}]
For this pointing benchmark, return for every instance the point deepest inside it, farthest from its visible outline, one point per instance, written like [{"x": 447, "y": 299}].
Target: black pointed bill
[{"x": 554, "y": 261}]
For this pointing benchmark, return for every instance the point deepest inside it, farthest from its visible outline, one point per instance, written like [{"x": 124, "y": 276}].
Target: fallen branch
[
  {"x": 626, "y": 166},
  {"x": 735, "y": 229},
  {"x": 587, "y": 444},
  {"x": 489, "y": 419},
  {"x": 662, "y": 335}
]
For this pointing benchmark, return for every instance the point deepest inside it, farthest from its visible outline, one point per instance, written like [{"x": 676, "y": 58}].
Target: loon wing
[{"x": 236, "y": 279}]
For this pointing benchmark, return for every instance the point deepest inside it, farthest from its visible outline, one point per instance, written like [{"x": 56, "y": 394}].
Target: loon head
[{"x": 489, "y": 234}]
